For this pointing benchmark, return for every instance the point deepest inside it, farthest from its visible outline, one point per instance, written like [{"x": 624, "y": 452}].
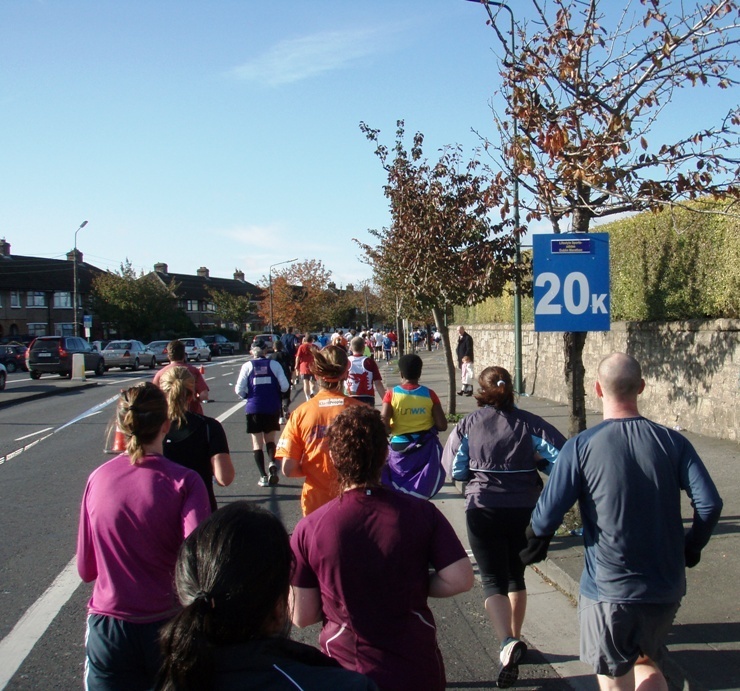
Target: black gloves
[
  {"x": 536, "y": 549},
  {"x": 692, "y": 553}
]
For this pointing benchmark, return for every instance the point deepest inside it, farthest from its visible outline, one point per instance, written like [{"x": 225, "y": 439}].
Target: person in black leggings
[{"x": 497, "y": 449}]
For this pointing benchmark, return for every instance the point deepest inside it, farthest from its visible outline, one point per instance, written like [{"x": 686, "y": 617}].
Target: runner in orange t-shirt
[{"x": 302, "y": 446}]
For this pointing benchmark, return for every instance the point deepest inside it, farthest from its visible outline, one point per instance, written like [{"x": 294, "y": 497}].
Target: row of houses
[{"x": 37, "y": 294}]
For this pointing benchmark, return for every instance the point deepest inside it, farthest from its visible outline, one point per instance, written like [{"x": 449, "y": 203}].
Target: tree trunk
[
  {"x": 575, "y": 373},
  {"x": 439, "y": 321}
]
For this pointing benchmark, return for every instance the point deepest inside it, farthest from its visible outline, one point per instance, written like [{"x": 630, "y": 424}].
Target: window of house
[
  {"x": 62, "y": 299},
  {"x": 37, "y": 329},
  {"x": 191, "y": 305},
  {"x": 15, "y": 298},
  {"x": 35, "y": 298},
  {"x": 64, "y": 329},
  {"x": 210, "y": 307}
]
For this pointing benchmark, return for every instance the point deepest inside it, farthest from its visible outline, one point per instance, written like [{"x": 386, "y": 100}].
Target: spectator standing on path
[
  {"x": 287, "y": 363},
  {"x": 627, "y": 474},
  {"x": 413, "y": 416},
  {"x": 468, "y": 376},
  {"x": 303, "y": 361},
  {"x": 176, "y": 354},
  {"x": 464, "y": 346},
  {"x": 363, "y": 377},
  {"x": 195, "y": 441},
  {"x": 261, "y": 382},
  {"x": 496, "y": 450},
  {"x": 362, "y": 566},
  {"x": 302, "y": 445},
  {"x": 233, "y": 579},
  {"x": 136, "y": 511}
]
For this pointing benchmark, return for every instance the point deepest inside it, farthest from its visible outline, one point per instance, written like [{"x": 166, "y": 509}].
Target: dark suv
[
  {"x": 219, "y": 344},
  {"x": 53, "y": 355}
]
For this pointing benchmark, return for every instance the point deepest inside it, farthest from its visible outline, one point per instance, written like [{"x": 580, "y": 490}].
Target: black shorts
[
  {"x": 496, "y": 537},
  {"x": 263, "y": 422}
]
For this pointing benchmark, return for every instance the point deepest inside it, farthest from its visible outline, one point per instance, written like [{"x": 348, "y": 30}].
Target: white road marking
[
  {"x": 33, "y": 434},
  {"x": 230, "y": 411},
  {"x": 14, "y": 648}
]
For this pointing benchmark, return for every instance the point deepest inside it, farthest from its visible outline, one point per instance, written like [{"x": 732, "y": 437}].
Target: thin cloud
[{"x": 303, "y": 58}]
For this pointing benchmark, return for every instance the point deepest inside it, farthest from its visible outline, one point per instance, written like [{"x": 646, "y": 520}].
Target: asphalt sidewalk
[{"x": 704, "y": 645}]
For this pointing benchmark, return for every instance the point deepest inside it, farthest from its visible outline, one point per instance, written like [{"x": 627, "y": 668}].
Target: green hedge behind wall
[{"x": 673, "y": 265}]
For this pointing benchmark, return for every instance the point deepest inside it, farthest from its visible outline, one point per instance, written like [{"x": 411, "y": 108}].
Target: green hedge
[{"x": 679, "y": 264}]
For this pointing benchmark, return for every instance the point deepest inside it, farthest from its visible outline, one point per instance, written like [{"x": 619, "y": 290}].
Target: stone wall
[{"x": 691, "y": 369}]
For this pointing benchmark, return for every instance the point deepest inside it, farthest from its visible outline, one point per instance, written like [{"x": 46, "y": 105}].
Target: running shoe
[
  {"x": 512, "y": 652},
  {"x": 273, "y": 479},
  {"x": 264, "y": 481}
]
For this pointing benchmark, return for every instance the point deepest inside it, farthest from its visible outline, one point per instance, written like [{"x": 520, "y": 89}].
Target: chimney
[
  {"x": 203, "y": 272},
  {"x": 5, "y": 250},
  {"x": 238, "y": 275},
  {"x": 71, "y": 256},
  {"x": 160, "y": 268}
]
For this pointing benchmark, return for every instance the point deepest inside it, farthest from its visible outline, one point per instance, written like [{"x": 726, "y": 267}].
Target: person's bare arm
[
  {"x": 439, "y": 417},
  {"x": 223, "y": 469},
  {"x": 305, "y": 606},
  {"x": 452, "y": 580},
  {"x": 386, "y": 413},
  {"x": 292, "y": 468},
  {"x": 380, "y": 388}
]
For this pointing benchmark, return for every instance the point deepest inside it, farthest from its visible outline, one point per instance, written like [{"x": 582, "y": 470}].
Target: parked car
[
  {"x": 159, "y": 348},
  {"x": 219, "y": 345},
  {"x": 13, "y": 357},
  {"x": 131, "y": 354},
  {"x": 53, "y": 355},
  {"x": 196, "y": 349},
  {"x": 267, "y": 340},
  {"x": 99, "y": 345},
  {"x": 3, "y": 377}
]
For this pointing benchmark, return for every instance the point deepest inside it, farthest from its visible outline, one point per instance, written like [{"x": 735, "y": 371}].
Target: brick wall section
[{"x": 691, "y": 369}]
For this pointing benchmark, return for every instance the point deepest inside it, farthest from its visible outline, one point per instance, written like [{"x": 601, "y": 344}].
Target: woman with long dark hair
[
  {"x": 136, "y": 511},
  {"x": 497, "y": 450},
  {"x": 363, "y": 565},
  {"x": 232, "y": 578}
]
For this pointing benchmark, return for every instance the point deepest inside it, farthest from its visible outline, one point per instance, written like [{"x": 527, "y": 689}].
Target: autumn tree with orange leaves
[{"x": 590, "y": 85}]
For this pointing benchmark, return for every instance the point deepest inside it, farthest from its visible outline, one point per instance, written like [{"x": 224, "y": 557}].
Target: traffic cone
[
  {"x": 119, "y": 441},
  {"x": 202, "y": 369}
]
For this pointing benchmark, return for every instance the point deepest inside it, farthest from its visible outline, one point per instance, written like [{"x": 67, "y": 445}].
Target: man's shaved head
[{"x": 620, "y": 376}]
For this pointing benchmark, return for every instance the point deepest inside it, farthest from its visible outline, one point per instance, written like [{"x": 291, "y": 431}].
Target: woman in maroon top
[{"x": 362, "y": 565}]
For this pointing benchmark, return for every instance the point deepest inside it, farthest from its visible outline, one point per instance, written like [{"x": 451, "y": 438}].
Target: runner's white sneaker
[
  {"x": 273, "y": 479},
  {"x": 512, "y": 652}
]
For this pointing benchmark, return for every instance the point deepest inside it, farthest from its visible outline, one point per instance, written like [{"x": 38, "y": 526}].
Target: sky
[{"x": 225, "y": 134}]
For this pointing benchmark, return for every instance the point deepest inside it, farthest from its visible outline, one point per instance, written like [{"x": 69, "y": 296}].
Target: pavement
[{"x": 704, "y": 644}]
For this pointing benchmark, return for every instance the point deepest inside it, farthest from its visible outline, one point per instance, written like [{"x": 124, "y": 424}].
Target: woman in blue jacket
[{"x": 497, "y": 450}]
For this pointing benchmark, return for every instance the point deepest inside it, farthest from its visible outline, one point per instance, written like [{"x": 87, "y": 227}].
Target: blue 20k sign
[{"x": 571, "y": 282}]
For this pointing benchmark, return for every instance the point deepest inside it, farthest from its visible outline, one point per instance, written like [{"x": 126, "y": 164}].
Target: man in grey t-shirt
[{"x": 627, "y": 474}]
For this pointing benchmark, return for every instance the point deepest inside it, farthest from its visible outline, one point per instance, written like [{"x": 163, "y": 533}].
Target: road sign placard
[{"x": 571, "y": 282}]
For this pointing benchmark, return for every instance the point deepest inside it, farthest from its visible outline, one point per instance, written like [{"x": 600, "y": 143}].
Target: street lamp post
[
  {"x": 515, "y": 190},
  {"x": 74, "y": 283},
  {"x": 269, "y": 280}
]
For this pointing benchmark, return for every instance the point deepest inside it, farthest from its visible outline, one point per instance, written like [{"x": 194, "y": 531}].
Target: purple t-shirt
[
  {"x": 132, "y": 522},
  {"x": 369, "y": 553}
]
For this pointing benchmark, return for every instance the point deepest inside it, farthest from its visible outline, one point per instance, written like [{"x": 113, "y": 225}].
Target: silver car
[
  {"x": 131, "y": 354},
  {"x": 159, "y": 348},
  {"x": 196, "y": 349}
]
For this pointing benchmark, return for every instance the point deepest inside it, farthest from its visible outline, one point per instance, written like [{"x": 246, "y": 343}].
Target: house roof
[
  {"x": 196, "y": 287},
  {"x": 40, "y": 274}
]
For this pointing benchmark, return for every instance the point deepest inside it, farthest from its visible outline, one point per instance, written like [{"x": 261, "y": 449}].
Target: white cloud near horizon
[{"x": 302, "y": 58}]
